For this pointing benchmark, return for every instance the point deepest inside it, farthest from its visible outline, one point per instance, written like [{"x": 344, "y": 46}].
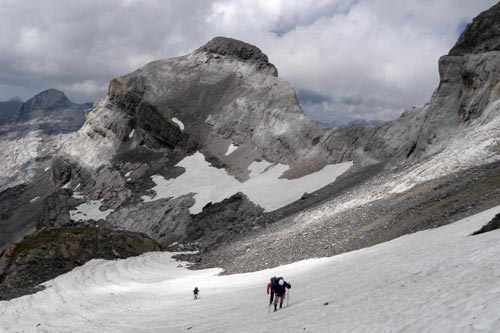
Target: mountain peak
[
  {"x": 236, "y": 49},
  {"x": 47, "y": 102},
  {"x": 482, "y": 35},
  {"x": 15, "y": 99},
  {"x": 49, "y": 99}
]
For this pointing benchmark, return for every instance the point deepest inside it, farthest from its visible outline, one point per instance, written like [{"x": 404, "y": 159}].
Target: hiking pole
[{"x": 269, "y": 309}]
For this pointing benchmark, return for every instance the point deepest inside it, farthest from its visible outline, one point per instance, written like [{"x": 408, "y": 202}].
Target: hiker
[
  {"x": 279, "y": 287},
  {"x": 270, "y": 290},
  {"x": 195, "y": 292}
]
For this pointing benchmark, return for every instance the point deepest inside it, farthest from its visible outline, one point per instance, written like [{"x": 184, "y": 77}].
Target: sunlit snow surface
[
  {"x": 440, "y": 280},
  {"x": 264, "y": 187},
  {"x": 179, "y": 123},
  {"x": 88, "y": 210},
  {"x": 231, "y": 149}
]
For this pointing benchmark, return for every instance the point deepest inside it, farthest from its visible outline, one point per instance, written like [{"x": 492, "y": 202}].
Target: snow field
[
  {"x": 179, "y": 123},
  {"x": 88, "y": 210},
  {"x": 264, "y": 188},
  {"x": 439, "y": 280}
]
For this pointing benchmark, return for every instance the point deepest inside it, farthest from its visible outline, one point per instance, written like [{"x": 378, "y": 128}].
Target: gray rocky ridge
[{"x": 31, "y": 131}]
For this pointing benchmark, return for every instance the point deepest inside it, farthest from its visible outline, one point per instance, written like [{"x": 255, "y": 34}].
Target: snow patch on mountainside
[
  {"x": 179, "y": 123},
  {"x": 264, "y": 187},
  {"x": 89, "y": 211},
  {"x": 438, "y": 280},
  {"x": 231, "y": 149}
]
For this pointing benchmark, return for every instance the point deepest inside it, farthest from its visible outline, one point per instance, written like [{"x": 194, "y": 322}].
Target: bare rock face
[
  {"x": 480, "y": 36},
  {"x": 228, "y": 47},
  {"x": 469, "y": 87},
  {"x": 226, "y": 92}
]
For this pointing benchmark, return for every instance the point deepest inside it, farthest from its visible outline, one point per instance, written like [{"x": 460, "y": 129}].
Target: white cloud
[
  {"x": 368, "y": 58},
  {"x": 86, "y": 87}
]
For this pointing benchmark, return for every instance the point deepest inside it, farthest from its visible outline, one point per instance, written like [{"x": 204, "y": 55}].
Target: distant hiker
[
  {"x": 270, "y": 290},
  {"x": 279, "y": 286},
  {"x": 195, "y": 292}
]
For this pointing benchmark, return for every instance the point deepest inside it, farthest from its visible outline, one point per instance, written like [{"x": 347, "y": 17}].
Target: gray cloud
[{"x": 347, "y": 59}]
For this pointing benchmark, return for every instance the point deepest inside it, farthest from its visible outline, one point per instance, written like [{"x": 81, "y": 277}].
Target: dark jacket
[{"x": 280, "y": 290}]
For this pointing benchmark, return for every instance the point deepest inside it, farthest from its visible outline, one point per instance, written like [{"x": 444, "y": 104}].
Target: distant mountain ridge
[
  {"x": 15, "y": 99},
  {"x": 53, "y": 112},
  {"x": 8, "y": 109},
  {"x": 29, "y": 133}
]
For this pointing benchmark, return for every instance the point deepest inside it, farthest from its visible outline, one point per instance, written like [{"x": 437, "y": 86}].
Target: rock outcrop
[
  {"x": 52, "y": 252},
  {"x": 480, "y": 36},
  {"x": 226, "y": 92}
]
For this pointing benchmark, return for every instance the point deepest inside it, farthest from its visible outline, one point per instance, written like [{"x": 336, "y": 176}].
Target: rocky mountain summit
[
  {"x": 43, "y": 104},
  {"x": 30, "y": 132},
  {"x": 50, "y": 111},
  {"x": 480, "y": 36},
  {"x": 211, "y": 151}
]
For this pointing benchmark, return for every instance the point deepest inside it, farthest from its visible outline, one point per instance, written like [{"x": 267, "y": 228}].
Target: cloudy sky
[{"x": 347, "y": 59}]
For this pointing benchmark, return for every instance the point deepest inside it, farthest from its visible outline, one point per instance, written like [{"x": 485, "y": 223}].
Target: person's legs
[
  {"x": 282, "y": 298},
  {"x": 271, "y": 298},
  {"x": 276, "y": 301}
]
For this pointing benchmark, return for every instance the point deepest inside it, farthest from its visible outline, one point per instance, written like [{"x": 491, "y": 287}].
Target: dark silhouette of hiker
[
  {"x": 280, "y": 286},
  {"x": 195, "y": 292},
  {"x": 270, "y": 290}
]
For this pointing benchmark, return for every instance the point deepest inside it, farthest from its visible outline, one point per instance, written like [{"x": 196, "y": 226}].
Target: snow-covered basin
[
  {"x": 265, "y": 187},
  {"x": 439, "y": 280}
]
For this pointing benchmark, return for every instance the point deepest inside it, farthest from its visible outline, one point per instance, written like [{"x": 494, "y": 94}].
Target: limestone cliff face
[
  {"x": 224, "y": 93},
  {"x": 480, "y": 36},
  {"x": 469, "y": 87},
  {"x": 462, "y": 106}
]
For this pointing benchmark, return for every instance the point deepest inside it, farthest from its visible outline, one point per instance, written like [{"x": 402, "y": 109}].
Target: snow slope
[
  {"x": 265, "y": 187},
  {"x": 437, "y": 280}
]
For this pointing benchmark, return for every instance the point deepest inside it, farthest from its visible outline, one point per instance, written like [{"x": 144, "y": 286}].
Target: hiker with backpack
[
  {"x": 270, "y": 290},
  {"x": 195, "y": 292},
  {"x": 280, "y": 286}
]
